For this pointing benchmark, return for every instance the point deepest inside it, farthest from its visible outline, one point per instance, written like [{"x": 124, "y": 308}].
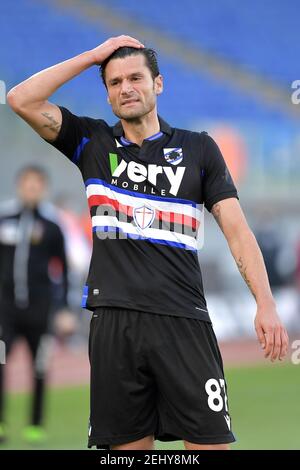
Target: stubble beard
[{"x": 135, "y": 116}]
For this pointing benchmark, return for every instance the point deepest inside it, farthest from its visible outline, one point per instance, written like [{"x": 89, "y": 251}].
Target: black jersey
[{"x": 146, "y": 205}]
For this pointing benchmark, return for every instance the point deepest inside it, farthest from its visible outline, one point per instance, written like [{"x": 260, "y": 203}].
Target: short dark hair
[
  {"x": 37, "y": 169},
  {"x": 149, "y": 54}
]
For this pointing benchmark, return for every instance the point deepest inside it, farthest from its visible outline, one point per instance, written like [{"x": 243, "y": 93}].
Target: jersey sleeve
[
  {"x": 217, "y": 181},
  {"x": 74, "y": 135}
]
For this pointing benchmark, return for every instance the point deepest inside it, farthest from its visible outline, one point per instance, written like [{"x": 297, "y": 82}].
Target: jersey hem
[{"x": 198, "y": 315}]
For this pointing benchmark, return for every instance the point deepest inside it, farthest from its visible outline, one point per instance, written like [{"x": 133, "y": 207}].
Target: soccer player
[
  {"x": 31, "y": 246},
  {"x": 156, "y": 369}
]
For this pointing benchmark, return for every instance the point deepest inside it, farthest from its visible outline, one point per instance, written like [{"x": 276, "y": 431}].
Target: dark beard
[{"x": 136, "y": 119}]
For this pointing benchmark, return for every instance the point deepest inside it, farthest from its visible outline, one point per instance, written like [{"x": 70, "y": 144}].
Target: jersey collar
[{"x": 164, "y": 128}]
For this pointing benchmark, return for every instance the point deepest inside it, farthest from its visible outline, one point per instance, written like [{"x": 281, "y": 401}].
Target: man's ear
[
  {"x": 108, "y": 100},
  {"x": 158, "y": 84}
]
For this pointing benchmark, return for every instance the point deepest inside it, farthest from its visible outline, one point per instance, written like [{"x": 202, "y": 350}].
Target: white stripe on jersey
[
  {"x": 149, "y": 232},
  {"x": 128, "y": 200}
]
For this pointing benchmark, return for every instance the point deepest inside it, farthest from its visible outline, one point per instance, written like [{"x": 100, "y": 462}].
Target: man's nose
[{"x": 126, "y": 87}]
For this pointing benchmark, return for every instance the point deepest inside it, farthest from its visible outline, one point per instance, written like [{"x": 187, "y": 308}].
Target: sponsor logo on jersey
[
  {"x": 173, "y": 155},
  {"x": 139, "y": 173}
]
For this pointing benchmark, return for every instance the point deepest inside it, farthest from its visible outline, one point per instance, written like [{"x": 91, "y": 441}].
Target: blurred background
[{"x": 229, "y": 69}]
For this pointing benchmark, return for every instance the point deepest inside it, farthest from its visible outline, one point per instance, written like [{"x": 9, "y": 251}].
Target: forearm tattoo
[
  {"x": 216, "y": 212},
  {"x": 53, "y": 125},
  {"x": 242, "y": 269}
]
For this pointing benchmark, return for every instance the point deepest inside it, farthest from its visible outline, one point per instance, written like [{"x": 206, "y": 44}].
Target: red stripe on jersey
[{"x": 173, "y": 217}]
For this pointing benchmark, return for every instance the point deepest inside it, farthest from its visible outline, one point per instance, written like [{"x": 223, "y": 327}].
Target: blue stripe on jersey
[
  {"x": 79, "y": 149},
  {"x": 152, "y": 137},
  {"x": 125, "y": 141},
  {"x": 84, "y": 296},
  {"x": 106, "y": 228},
  {"x": 155, "y": 136},
  {"x": 141, "y": 195}
]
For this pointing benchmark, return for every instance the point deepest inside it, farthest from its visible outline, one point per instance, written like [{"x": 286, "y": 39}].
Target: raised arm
[
  {"x": 244, "y": 248},
  {"x": 29, "y": 99}
]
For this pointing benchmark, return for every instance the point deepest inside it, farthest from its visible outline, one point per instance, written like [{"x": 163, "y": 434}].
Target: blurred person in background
[
  {"x": 156, "y": 369},
  {"x": 78, "y": 245},
  {"x": 270, "y": 242},
  {"x": 297, "y": 277},
  {"x": 77, "y": 230},
  {"x": 33, "y": 286},
  {"x": 277, "y": 246}
]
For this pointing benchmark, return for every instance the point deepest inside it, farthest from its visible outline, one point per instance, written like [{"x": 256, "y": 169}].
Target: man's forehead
[
  {"x": 126, "y": 66},
  {"x": 31, "y": 175}
]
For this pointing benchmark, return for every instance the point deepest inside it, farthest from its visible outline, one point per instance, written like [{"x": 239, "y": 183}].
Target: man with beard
[{"x": 156, "y": 369}]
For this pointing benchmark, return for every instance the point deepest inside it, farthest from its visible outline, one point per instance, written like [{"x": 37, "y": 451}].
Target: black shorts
[{"x": 157, "y": 375}]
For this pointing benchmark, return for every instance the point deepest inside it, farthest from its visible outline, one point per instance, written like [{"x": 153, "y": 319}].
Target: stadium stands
[
  {"x": 254, "y": 35},
  {"x": 214, "y": 27}
]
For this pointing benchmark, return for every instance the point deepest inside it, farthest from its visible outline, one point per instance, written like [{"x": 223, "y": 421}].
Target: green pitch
[{"x": 264, "y": 405}]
